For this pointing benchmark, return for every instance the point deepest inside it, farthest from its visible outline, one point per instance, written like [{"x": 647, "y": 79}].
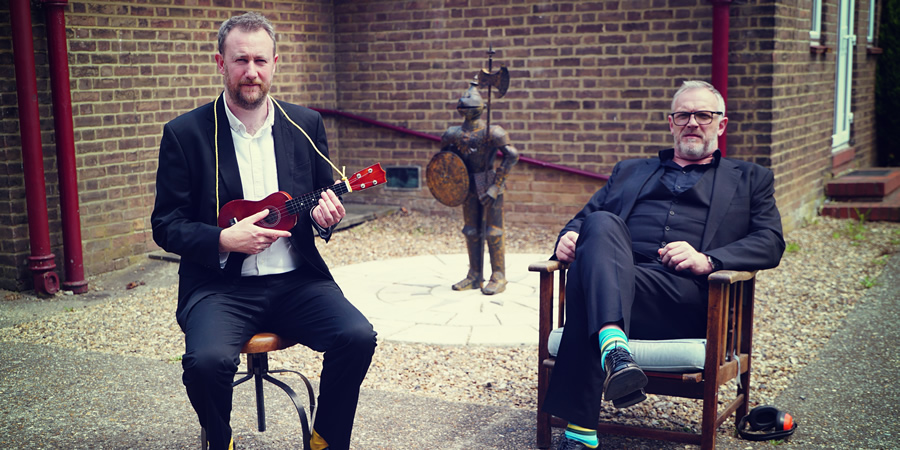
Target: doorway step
[{"x": 866, "y": 194}]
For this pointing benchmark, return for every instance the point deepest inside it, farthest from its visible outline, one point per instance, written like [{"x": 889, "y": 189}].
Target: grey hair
[
  {"x": 696, "y": 84},
  {"x": 250, "y": 21}
]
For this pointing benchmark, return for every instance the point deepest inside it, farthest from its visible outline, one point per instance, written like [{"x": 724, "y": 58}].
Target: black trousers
[
  {"x": 605, "y": 285},
  {"x": 314, "y": 313}
]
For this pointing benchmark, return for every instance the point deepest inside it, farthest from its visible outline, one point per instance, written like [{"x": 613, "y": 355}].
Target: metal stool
[{"x": 257, "y": 349}]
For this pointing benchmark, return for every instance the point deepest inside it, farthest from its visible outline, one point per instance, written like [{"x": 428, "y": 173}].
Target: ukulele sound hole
[{"x": 272, "y": 219}]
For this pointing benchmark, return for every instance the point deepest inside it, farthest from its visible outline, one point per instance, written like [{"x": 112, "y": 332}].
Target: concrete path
[{"x": 411, "y": 300}]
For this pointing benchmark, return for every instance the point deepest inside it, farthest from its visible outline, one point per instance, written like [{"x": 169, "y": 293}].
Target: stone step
[
  {"x": 866, "y": 185},
  {"x": 885, "y": 209}
]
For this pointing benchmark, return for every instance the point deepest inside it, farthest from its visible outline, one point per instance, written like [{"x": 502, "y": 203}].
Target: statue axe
[{"x": 498, "y": 79}]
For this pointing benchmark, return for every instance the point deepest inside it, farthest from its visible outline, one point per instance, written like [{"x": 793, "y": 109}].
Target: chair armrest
[
  {"x": 729, "y": 326},
  {"x": 730, "y": 276},
  {"x": 547, "y": 266},
  {"x": 549, "y": 299}
]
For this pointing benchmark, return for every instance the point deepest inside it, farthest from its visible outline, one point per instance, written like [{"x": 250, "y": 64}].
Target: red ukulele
[{"x": 283, "y": 209}]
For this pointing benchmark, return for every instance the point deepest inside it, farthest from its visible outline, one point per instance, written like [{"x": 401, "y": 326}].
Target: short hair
[
  {"x": 249, "y": 22},
  {"x": 697, "y": 84}
]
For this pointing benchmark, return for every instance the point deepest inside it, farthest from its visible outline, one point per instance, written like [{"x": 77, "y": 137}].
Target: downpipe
[
  {"x": 46, "y": 281},
  {"x": 55, "y": 18},
  {"x": 720, "y": 28}
]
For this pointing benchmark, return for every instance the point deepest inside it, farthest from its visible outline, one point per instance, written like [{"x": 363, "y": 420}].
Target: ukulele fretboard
[{"x": 309, "y": 201}]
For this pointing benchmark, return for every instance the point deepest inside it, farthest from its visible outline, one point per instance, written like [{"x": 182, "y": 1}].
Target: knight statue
[{"x": 476, "y": 144}]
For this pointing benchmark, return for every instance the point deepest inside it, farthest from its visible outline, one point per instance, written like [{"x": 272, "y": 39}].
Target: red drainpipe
[
  {"x": 720, "y": 55},
  {"x": 41, "y": 260},
  {"x": 55, "y": 17}
]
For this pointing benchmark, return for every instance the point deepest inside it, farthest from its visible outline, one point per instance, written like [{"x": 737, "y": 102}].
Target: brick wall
[
  {"x": 782, "y": 94},
  {"x": 591, "y": 83},
  {"x": 783, "y": 99}
]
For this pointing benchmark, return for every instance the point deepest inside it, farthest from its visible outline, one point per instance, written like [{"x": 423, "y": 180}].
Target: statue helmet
[{"x": 471, "y": 102}]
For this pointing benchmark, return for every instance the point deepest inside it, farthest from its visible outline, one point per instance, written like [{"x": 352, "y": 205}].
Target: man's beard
[
  {"x": 695, "y": 150},
  {"x": 247, "y": 100}
]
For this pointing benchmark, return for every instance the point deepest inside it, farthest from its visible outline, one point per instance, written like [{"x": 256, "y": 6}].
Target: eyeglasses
[{"x": 702, "y": 117}]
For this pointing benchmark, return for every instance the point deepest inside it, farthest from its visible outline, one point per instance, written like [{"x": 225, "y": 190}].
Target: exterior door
[{"x": 843, "y": 116}]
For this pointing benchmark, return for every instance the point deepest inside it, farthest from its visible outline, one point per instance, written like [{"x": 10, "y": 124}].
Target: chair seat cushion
[{"x": 672, "y": 355}]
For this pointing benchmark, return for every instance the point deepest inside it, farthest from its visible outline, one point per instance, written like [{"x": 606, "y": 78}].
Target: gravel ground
[{"x": 828, "y": 266}]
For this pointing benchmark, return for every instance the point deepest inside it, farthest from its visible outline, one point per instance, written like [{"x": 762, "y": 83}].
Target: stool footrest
[
  {"x": 307, "y": 431},
  {"x": 258, "y": 370}
]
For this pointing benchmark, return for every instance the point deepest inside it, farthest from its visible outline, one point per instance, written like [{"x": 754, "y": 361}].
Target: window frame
[
  {"x": 389, "y": 170},
  {"x": 873, "y": 23},
  {"x": 815, "y": 28}
]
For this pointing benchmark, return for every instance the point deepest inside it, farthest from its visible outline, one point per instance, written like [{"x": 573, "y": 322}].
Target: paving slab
[{"x": 411, "y": 300}]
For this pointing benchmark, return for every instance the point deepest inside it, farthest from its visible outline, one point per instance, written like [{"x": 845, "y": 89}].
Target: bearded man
[
  {"x": 244, "y": 279},
  {"x": 640, "y": 252}
]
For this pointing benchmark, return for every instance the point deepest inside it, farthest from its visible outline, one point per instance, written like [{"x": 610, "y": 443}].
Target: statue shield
[{"x": 448, "y": 178}]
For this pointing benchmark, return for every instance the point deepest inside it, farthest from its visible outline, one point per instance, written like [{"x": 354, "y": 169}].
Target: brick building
[{"x": 590, "y": 85}]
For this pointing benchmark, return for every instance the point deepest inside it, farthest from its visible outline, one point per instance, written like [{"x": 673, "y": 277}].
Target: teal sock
[
  {"x": 611, "y": 338},
  {"x": 586, "y": 436}
]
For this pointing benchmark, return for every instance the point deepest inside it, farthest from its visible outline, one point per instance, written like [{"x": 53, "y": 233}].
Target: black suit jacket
[
  {"x": 743, "y": 229},
  {"x": 184, "y": 215}
]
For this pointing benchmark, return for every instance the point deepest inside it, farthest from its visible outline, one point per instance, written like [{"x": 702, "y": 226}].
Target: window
[
  {"x": 870, "y": 35},
  {"x": 815, "y": 29},
  {"x": 402, "y": 177}
]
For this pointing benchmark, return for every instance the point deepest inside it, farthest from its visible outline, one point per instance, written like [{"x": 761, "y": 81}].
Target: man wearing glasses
[{"x": 640, "y": 252}]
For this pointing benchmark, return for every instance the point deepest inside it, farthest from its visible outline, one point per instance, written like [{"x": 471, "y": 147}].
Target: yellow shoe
[
  {"x": 204, "y": 444},
  {"x": 316, "y": 442}
]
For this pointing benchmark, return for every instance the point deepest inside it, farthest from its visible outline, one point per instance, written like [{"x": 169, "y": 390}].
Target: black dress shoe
[
  {"x": 571, "y": 444},
  {"x": 625, "y": 380},
  {"x": 631, "y": 399}
]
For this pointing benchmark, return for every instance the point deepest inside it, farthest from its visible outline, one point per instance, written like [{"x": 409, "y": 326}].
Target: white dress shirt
[{"x": 259, "y": 178}]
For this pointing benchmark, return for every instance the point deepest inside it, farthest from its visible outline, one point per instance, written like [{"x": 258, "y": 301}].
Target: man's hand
[
  {"x": 246, "y": 237},
  {"x": 565, "y": 249},
  {"x": 490, "y": 195},
  {"x": 682, "y": 256},
  {"x": 329, "y": 211}
]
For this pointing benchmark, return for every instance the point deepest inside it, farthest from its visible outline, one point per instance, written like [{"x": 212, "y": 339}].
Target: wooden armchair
[{"x": 729, "y": 334}]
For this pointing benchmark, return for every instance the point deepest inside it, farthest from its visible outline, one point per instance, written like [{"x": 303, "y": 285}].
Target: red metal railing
[{"x": 524, "y": 159}]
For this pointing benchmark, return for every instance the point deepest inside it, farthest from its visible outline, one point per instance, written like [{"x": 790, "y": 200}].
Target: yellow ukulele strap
[
  {"x": 216, "y": 147},
  {"x": 341, "y": 172}
]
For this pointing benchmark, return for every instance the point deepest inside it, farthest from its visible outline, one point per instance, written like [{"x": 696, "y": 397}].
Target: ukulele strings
[{"x": 295, "y": 205}]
